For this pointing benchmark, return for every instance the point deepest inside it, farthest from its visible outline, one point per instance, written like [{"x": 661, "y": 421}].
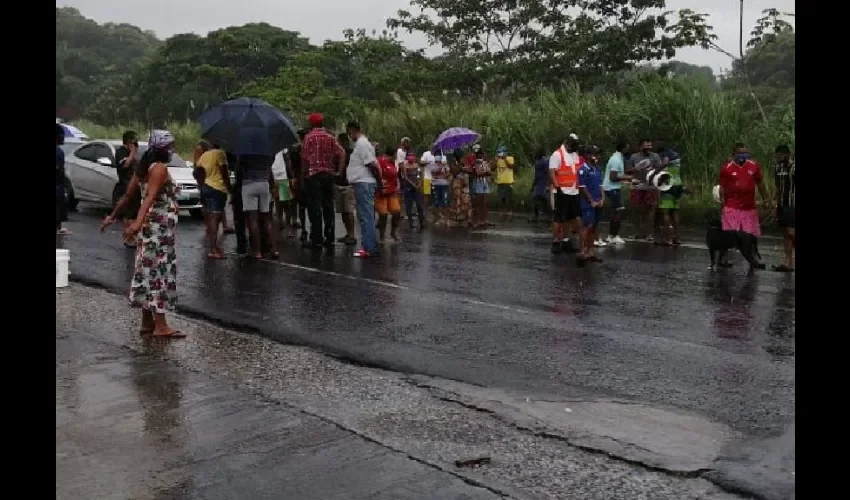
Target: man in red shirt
[
  {"x": 738, "y": 182},
  {"x": 322, "y": 158}
]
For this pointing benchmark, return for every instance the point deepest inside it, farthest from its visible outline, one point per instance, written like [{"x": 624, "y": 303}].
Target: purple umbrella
[{"x": 455, "y": 137}]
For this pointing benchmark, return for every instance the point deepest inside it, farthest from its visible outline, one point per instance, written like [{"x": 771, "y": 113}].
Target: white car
[{"x": 90, "y": 169}]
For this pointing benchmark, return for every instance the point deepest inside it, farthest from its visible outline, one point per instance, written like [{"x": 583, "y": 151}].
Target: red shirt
[
  {"x": 739, "y": 184},
  {"x": 320, "y": 152},
  {"x": 389, "y": 176}
]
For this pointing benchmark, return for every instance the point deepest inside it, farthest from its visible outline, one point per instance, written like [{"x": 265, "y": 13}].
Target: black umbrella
[{"x": 248, "y": 126}]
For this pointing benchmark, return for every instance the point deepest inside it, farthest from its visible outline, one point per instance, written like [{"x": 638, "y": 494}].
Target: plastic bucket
[{"x": 63, "y": 258}]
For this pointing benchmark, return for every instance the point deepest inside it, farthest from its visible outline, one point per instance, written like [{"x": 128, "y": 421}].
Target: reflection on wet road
[{"x": 498, "y": 310}]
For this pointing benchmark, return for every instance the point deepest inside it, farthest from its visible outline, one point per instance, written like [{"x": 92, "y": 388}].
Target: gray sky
[{"x": 325, "y": 19}]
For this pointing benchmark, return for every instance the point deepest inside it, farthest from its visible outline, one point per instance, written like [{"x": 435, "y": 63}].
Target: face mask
[
  {"x": 571, "y": 148},
  {"x": 742, "y": 158},
  {"x": 646, "y": 151}
]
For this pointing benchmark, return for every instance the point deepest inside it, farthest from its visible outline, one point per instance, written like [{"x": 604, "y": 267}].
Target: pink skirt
[{"x": 741, "y": 220}]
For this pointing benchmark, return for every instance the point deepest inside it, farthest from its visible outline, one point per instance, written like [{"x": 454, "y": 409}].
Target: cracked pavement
[{"x": 649, "y": 372}]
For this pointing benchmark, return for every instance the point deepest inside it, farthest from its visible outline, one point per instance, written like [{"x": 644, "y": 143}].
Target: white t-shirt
[
  {"x": 430, "y": 163},
  {"x": 400, "y": 157},
  {"x": 279, "y": 167},
  {"x": 362, "y": 155},
  {"x": 555, "y": 164}
]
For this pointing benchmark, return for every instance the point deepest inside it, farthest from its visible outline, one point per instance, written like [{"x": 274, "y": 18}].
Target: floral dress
[
  {"x": 461, "y": 202},
  {"x": 154, "y": 285}
]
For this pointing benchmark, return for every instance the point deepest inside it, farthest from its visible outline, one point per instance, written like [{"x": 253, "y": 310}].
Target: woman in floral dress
[
  {"x": 460, "y": 213},
  {"x": 154, "y": 285}
]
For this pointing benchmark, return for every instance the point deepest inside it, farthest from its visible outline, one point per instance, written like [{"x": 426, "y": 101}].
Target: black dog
[{"x": 719, "y": 242}]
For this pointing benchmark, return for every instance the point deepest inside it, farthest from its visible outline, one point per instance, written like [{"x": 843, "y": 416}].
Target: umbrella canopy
[
  {"x": 72, "y": 132},
  {"x": 248, "y": 126},
  {"x": 455, "y": 137}
]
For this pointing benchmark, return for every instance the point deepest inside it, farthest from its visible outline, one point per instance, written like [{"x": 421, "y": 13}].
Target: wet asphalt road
[{"x": 496, "y": 309}]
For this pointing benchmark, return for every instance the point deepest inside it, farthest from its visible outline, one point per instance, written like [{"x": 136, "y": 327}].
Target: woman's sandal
[{"x": 173, "y": 334}]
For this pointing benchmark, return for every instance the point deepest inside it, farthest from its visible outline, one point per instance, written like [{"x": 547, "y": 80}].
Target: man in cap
[
  {"x": 644, "y": 197},
  {"x": 563, "y": 175},
  {"x": 322, "y": 158},
  {"x": 505, "y": 179}
]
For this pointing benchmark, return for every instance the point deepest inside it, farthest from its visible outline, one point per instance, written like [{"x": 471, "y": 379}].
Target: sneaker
[
  {"x": 361, "y": 254},
  {"x": 600, "y": 243},
  {"x": 616, "y": 240},
  {"x": 63, "y": 232}
]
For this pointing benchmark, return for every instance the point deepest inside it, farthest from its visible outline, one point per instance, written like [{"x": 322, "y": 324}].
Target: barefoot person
[
  {"x": 154, "y": 284},
  {"x": 211, "y": 172},
  {"x": 644, "y": 197},
  {"x": 387, "y": 202},
  {"x": 786, "y": 207},
  {"x": 738, "y": 182}
]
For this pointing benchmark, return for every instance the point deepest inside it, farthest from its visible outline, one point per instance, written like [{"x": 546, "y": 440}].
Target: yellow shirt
[
  {"x": 211, "y": 161},
  {"x": 504, "y": 170}
]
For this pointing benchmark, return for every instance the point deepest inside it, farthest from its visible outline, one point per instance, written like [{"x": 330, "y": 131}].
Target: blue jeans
[
  {"x": 413, "y": 197},
  {"x": 364, "y": 197}
]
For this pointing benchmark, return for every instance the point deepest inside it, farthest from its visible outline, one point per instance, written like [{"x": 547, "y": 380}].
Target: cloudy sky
[{"x": 325, "y": 19}]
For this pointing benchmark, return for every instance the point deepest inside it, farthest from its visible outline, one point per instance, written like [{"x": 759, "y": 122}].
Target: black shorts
[
  {"x": 131, "y": 209},
  {"x": 505, "y": 192},
  {"x": 566, "y": 207},
  {"x": 785, "y": 217}
]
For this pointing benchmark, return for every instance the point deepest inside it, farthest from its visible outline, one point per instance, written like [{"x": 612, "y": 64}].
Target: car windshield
[{"x": 176, "y": 160}]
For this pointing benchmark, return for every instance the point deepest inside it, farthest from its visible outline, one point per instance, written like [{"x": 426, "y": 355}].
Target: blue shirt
[
  {"x": 541, "y": 176},
  {"x": 590, "y": 178},
  {"x": 615, "y": 164}
]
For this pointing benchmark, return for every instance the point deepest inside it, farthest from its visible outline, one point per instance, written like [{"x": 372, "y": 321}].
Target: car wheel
[
  {"x": 70, "y": 200},
  {"x": 197, "y": 214}
]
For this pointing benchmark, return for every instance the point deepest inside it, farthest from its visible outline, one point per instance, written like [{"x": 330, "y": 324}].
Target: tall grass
[{"x": 701, "y": 123}]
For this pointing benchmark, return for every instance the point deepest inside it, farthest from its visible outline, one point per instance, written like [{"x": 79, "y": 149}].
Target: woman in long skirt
[{"x": 154, "y": 284}]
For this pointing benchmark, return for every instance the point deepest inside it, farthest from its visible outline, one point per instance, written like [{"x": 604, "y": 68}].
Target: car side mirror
[{"x": 106, "y": 162}]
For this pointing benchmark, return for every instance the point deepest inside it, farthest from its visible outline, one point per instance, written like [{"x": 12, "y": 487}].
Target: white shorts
[{"x": 256, "y": 196}]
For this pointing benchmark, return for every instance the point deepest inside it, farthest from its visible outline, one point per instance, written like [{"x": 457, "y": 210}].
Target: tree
[
  {"x": 769, "y": 29},
  {"x": 90, "y": 56},
  {"x": 547, "y": 42}
]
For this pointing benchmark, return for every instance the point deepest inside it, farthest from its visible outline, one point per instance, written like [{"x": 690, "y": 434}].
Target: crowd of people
[{"x": 301, "y": 188}]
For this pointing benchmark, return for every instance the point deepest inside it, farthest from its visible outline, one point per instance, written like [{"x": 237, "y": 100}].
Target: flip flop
[
  {"x": 212, "y": 255},
  {"x": 175, "y": 334},
  {"x": 782, "y": 268}
]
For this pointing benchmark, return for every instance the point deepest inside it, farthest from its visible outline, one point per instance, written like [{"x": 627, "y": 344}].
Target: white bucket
[{"x": 63, "y": 257}]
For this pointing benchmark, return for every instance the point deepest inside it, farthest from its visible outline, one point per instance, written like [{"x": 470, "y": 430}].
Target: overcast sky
[{"x": 325, "y": 19}]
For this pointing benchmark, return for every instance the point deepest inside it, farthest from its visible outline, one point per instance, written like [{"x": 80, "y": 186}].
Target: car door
[
  {"x": 94, "y": 182},
  {"x": 79, "y": 167},
  {"x": 105, "y": 176}
]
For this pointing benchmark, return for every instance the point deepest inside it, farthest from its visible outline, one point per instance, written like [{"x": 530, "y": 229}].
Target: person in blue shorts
[{"x": 590, "y": 203}]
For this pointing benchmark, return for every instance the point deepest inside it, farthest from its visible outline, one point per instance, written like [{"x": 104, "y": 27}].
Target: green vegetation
[{"x": 495, "y": 76}]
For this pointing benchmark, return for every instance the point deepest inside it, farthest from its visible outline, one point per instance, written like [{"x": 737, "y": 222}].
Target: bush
[{"x": 699, "y": 122}]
